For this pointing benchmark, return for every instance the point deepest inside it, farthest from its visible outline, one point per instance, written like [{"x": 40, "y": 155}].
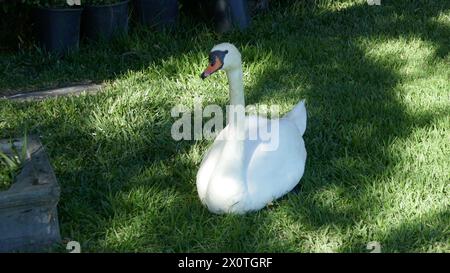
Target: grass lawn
[
  {"x": 376, "y": 80},
  {"x": 5, "y": 177}
]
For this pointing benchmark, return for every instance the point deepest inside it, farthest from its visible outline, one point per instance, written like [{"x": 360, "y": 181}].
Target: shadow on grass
[
  {"x": 354, "y": 111},
  {"x": 414, "y": 235}
]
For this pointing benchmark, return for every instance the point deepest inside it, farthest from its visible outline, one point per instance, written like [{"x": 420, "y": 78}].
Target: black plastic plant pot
[
  {"x": 257, "y": 6},
  {"x": 105, "y": 21},
  {"x": 161, "y": 14},
  {"x": 58, "y": 30},
  {"x": 229, "y": 13}
]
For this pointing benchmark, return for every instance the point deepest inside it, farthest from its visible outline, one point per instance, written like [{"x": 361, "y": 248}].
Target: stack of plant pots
[
  {"x": 105, "y": 19},
  {"x": 159, "y": 14},
  {"x": 231, "y": 13},
  {"x": 57, "y": 27},
  {"x": 58, "y": 22},
  {"x": 225, "y": 14}
]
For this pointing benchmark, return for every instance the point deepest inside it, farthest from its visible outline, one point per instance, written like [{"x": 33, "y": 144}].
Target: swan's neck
[
  {"x": 236, "y": 109},
  {"x": 236, "y": 85}
]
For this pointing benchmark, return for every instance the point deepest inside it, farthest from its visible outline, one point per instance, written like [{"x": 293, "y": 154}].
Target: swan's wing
[
  {"x": 208, "y": 165},
  {"x": 298, "y": 116},
  {"x": 273, "y": 173}
]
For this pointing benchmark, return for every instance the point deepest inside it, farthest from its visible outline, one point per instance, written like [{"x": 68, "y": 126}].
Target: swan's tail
[{"x": 298, "y": 116}]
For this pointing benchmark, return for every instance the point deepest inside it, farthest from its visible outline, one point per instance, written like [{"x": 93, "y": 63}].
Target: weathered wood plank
[{"x": 56, "y": 92}]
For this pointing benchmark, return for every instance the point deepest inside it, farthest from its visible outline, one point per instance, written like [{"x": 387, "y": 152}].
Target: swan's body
[{"x": 239, "y": 174}]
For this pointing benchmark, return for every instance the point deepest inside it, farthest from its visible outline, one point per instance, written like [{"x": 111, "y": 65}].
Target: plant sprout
[{"x": 12, "y": 164}]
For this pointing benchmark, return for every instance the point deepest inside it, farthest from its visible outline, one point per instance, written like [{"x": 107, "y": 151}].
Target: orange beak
[{"x": 211, "y": 68}]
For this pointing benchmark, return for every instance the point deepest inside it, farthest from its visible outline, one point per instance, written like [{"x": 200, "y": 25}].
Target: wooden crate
[{"x": 28, "y": 209}]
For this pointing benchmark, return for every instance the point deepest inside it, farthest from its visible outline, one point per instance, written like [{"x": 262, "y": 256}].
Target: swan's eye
[{"x": 212, "y": 60}]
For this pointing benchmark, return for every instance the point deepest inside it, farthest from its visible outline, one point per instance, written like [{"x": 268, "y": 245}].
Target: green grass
[
  {"x": 376, "y": 81},
  {"x": 6, "y": 177},
  {"x": 11, "y": 164}
]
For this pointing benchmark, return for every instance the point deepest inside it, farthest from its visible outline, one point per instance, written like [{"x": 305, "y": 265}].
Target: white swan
[{"x": 238, "y": 174}]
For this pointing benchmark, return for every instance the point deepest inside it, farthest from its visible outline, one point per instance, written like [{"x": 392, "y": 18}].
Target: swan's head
[{"x": 223, "y": 56}]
